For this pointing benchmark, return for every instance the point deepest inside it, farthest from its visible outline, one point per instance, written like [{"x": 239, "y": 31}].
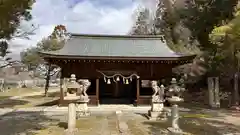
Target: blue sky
[{"x": 81, "y": 16}]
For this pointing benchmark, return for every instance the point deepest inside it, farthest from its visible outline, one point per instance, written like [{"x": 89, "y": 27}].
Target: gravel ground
[{"x": 39, "y": 122}]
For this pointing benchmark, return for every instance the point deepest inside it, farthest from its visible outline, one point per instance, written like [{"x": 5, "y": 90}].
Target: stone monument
[
  {"x": 82, "y": 107},
  {"x": 157, "y": 107},
  {"x": 2, "y": 84},
  {"x": 213, "y": 92},
  {"x": 175, "y": 97}
]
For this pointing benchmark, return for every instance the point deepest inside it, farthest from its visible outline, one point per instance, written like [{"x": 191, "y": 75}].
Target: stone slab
[
  {"x": 173, "y": 131},
  {"x": 71, "y": 132},
  {"x": 157, "y": 115},
  {"x": 157, "y": 107}
]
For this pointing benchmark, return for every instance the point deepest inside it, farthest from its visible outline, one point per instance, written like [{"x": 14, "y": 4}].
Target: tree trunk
[
  {"x": 210, "y": 92},
  {"x": 47, "y": 80}
]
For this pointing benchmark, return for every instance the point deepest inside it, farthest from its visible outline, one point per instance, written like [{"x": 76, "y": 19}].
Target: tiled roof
[{"x": 115, "y": 46}]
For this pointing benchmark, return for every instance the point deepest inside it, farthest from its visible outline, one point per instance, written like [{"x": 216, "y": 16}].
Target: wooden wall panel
[{"x": 150, "y": 71}]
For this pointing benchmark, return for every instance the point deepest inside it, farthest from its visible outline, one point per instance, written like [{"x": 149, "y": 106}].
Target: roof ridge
[{"x": 117, "y": 36}]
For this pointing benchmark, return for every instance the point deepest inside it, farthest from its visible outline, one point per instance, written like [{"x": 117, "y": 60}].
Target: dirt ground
[
  {"x": 17, "y": 92},
  {"x": 29, "y": 100}
]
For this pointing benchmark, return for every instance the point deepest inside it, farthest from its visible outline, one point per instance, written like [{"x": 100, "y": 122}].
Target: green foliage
[
  {"x": 191, "y": 29},
  {"x": 226, "y": 37},
  {"x": 12, "y": 12},
  {"x": 50, "y": 44},
  {"x": 201, "y": 16},
  {"x": 54, "y": 42},
  {"x": 31, "y": 58},
  {"x": 142, "y": 24}
]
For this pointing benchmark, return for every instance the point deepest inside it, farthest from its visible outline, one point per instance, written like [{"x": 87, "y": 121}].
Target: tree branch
[
  {"x": 8, "y": 64},
  {"x": 26, "y": 33}
]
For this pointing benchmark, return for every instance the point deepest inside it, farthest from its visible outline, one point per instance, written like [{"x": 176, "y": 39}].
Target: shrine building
[{"x": 116, "y": 65}]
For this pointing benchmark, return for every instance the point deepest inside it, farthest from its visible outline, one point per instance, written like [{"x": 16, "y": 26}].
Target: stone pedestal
[
  {"x": 157, "y": 107},
  {"x": 157, "y": 112},
  {"x": 82, "y": 107},
  {"x": 71, "y": 120}
]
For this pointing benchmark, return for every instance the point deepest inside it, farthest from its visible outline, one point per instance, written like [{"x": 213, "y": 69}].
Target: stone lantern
[
  {"x": 72, "y": 97},
  {"x": 72, "y": 88},
  {"x": 175, "y": 93}
]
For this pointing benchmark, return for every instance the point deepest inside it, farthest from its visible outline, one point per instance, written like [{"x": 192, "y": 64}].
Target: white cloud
[{"x": 81, "y": 16}]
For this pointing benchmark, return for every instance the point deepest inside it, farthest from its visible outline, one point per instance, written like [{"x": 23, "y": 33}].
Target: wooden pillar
[
  {"x": 116, "y": 89},
  {"x": 97, "y": 90},
  {"x": 61, "y": 89},
  {"x": 138, "y": 91}
]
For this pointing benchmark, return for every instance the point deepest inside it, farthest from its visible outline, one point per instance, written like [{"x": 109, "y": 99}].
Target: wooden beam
[{"x": 97, "y": 90}]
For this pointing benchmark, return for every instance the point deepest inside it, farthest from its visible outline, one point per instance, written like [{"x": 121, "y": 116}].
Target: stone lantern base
[
  {"x": 82, "y": 107},
  {"x": 71, "y": 132},
  {"x": 157, "y": 112}
]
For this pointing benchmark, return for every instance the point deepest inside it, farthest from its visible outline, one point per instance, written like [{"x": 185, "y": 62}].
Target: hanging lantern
[
  {"x": 109, "y": 81},
  {"x": 131, "y": 79},
  {"x": 118, "y": 79},
  {"x": 127, "y": 81}
]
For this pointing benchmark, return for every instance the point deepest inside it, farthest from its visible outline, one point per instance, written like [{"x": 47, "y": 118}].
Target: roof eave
[{"x": 57, "y": 56}]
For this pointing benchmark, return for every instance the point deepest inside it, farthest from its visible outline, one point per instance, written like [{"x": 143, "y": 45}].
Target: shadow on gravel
[
  {"x": 8, "y": 103},
  {"x": 50, "y": 103},
  {"x": 24, "y": 122},
  {"x": 51, "y": 100},
  {"x": 196, "y": 126},
  {"x": 4, "y": 97},
  {"x": 52, "y": 94}
]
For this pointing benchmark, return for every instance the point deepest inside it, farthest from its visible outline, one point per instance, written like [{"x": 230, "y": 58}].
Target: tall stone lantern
[
  {"x": 72, "y": 97},
  {"x": 175, "y": 97}
]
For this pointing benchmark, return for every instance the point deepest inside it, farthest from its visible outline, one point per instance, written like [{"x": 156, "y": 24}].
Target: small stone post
[
  {"x": 213, "y": 92},
  {"x": 175, "y": 116},
  {"x": 216, "y": 93},
  {"x": 236, "y": 93},
  {"x": 210, "y": 91},
  {"x": 71, "y": 119},
  {"x": 2, "y": 85}
]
